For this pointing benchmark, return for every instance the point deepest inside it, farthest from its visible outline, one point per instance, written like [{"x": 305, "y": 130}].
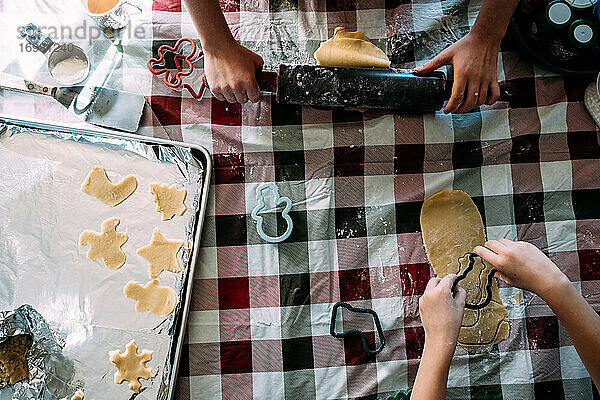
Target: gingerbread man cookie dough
[
  {"x": 98, "y": 185},
  {"x": 131, "y": 366},
  {"x": 169, "y": 200},
  {"x": 106, "y": 244},
  {"x": 160, "y": 300},
  {"x": 161, "y": 254}
]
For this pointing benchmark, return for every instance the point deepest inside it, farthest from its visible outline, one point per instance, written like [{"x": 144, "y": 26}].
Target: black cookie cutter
[
  {"x": 356, "y": 332},
  {"x": 488, "y": 286}
]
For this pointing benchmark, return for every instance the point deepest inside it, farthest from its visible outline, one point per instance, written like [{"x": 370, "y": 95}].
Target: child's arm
[
  {"x": 523, "y": 265},
  {"x": 230, "y": 68},
  {"x": 441, "y": 314},
  {"x": 475, "y": 58}
]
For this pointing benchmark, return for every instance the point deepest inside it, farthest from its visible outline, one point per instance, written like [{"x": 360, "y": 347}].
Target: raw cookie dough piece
[
  {"x": 169, "y": 200},
  {"x": 13, "y": 358},
  {"x": 78, "y": 395},
  {"x": 98, "y": 185},
  {"x": 350, "y": 49},
  {"x": 107, "y": 244},
  {"x": 161, "y": 254},
  {"x": 161, "y": 300},
  {"x": 131, "y": 366},
  {"x": 452, "y": 227}
]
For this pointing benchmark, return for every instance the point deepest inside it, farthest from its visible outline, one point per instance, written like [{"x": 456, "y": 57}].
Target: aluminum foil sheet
[{"x": 42, "y": 213}]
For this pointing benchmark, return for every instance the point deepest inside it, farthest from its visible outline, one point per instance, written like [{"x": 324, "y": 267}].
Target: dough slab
[
  {"x": 452, "y": 226},
  {"x": 350, "y": 49}
]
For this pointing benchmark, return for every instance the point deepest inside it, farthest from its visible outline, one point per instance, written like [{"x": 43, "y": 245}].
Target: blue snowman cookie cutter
[{"x": 278, "y": 200}]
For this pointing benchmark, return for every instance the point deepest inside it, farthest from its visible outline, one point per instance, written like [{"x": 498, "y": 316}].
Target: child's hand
[
  {"x": 522, "y": 265},
  {"x": 475, "y": 62},
  {"x": 442, "y": 312},
  {"x": 231, "y": 73}
]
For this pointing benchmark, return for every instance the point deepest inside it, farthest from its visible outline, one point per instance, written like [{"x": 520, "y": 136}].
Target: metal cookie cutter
[
  {"x": 285, "y": 213},
  {"x": 185, "y": 52},
  {"x": 67, "y": 63},
  {"x": 356, "y": 332},
  {"x": 488, "y": 286}
]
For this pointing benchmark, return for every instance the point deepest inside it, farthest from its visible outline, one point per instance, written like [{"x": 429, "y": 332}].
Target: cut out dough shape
[
  {"x": 98, "y": 185},
  {"x": 13, "y": 358},
  {"x": 161, "y": 254},
  {"x": 78, "y": 395},
  {"x": 131, "y": 366},
  {"x": 169, "y": 200},
  {"x": 106, "y": 245},
  {"x": 452, "y": 226},
  {"x": 350, "y": 49},
  {"x": 160, "y": 300}
]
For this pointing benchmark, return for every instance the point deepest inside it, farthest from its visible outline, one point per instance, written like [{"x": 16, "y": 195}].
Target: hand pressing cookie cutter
[
  {"x": 285, "y": 213},
  {"x": 488, "y": 286},
  {"x": 186, "y": 51},
  {"x": 356, "y": 332}
]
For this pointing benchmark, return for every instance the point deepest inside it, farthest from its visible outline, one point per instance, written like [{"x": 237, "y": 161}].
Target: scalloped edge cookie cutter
[
  {"x": 356, "y": 332},
  {"x": 285, "y": 213},
  {"x": 488, "y": 286},
  {"x": 399, "y": 396}
]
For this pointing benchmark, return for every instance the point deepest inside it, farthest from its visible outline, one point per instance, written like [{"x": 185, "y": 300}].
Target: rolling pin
[{"x": 371, "y": 88}]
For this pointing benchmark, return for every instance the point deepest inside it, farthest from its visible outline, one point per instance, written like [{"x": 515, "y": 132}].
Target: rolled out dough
[
  {"x": 452, "y": 226},
  {"x": 13, "y": 358},
  {"x": 78, "y": 395},
  {"x": 350, "y": 49}
]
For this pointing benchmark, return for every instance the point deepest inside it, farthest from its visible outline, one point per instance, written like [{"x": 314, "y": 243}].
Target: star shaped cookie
[
  {"x": 161, "y": 254},
  {"x": 131, "y": 366},
  {"x": 106, "y": 244},
  {"x": 169, "y": 200}
]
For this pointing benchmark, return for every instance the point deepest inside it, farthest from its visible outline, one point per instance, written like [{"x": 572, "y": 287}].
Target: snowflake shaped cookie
[{"x": 131, "y": 366}]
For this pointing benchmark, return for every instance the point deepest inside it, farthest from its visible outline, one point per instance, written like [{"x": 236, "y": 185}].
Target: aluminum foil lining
[{"x": 75, "y": 307}]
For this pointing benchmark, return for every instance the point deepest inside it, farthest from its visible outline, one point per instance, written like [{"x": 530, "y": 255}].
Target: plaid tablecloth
[{"x": 259, "y": 321}]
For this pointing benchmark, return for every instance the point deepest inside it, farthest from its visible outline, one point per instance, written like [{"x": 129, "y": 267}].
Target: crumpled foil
[
  {"x": 45, "y": 356},
  {"x": 76, "y": 306}
]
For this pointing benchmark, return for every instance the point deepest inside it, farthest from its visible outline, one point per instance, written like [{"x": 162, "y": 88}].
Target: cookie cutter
[
  {"x": 185, "y": 52},
  {"x": 399, "y": 396},
  {"x": 488, "y": 286},
  {"x": 285, "y": 213},
  {"x": 356, "y": 332}
]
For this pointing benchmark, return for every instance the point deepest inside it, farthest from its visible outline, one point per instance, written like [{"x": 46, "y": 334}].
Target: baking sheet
[{"x": 42, "y": 213}]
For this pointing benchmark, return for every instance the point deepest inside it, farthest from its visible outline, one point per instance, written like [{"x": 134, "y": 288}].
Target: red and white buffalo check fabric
[{"x": 259, "y": 321}]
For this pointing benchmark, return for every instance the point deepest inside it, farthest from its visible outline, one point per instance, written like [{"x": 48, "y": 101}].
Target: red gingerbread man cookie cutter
[{"x": 185, "y": 54}]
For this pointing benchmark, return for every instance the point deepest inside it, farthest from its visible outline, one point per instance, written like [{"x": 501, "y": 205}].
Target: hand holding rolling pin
[{"x": 475, "y": 58}]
